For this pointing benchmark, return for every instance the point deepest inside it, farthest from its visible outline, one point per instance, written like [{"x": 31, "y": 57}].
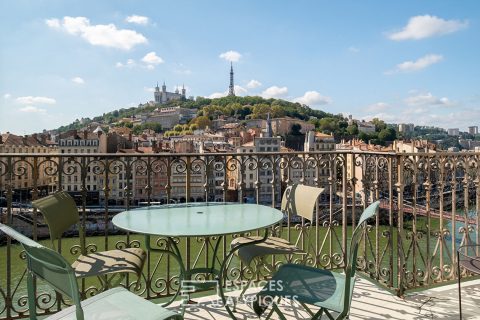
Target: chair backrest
[
  {"x": 369, "y": 212},
  {"x": 301, "y": 200},
  {"x": 48, "y": 265},
  {"x": 60, "y": 212}
]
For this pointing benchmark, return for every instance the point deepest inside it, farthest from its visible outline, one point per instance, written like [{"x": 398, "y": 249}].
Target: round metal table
[{"x": 198, "y": 220}]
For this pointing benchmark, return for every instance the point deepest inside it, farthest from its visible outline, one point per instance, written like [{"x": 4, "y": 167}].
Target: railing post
[
  {"x": 400, "y": 232},
  {"x": 8, "y": 221},
  {"x": 344, "y": 209},
  {"x": 390, "y": 219},
  {"x": 428, "y": 190}
]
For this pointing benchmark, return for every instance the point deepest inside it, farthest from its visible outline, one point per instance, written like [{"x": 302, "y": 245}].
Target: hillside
[{"x": 240, "y": 107}]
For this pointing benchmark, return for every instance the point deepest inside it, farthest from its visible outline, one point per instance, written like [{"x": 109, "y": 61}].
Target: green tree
[
  {"x": 388, "y": 134},
  {"x": 260, "y": 111},
  {"x": 352, "y": 129},
  {"x": 379, "y": 124},
  {"x": 327, "y": 125},
  {"x": 202, "y": 122},
  {"x": 178, "y": 128}
]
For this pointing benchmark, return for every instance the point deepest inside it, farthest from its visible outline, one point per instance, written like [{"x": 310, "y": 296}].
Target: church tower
[
  {"x": 268, "y": 129},
  {"x": 157, "y": 94},
  {"x": 231, "y": 88},
  {"x": 184, "y": 92}
]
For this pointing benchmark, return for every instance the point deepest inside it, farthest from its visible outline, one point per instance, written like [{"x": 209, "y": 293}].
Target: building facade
[
  {"x": 162, "y": 97},
  {"x": 23, "y": 182}
]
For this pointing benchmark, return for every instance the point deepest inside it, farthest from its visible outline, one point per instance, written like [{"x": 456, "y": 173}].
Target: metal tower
[{"x": 231, "y": 88}]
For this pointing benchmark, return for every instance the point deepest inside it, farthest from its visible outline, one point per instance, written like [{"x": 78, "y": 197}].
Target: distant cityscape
[{"x": 175, "y": 123}]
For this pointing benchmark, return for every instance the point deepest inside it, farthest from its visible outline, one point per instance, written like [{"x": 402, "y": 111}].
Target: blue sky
[{"x": 404, "y": 61}]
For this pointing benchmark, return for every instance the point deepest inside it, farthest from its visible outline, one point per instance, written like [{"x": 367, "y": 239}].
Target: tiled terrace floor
[{"x": 371, "y": 302}]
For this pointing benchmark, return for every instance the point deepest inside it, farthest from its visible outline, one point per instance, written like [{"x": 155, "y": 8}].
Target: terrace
[{"x": 429, "y": 205}]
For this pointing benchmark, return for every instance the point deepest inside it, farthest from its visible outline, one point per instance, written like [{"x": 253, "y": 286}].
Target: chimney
[
  {"x": 85, "y": 134},
  {"x": 24, "y": 140}
]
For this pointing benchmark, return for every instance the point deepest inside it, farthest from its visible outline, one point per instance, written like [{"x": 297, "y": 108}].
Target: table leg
[{"x": 223, "y": 270}]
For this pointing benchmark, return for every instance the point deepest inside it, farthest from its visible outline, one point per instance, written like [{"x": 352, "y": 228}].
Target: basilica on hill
[{"x": 162, "y": 97}]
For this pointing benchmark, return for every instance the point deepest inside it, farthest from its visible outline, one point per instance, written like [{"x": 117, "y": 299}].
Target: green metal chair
[
  {"x": 113, "y": 304},
  {"x": 330, "y": 291},
  {"x": 60, "y": 213},
  {"x": 298, "y": 200}
]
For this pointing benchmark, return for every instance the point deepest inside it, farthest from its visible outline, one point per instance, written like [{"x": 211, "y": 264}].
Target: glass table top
[{"x": 197, "y": 219}]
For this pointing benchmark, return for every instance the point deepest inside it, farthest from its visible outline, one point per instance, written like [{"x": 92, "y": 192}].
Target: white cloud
[
  {"x": 137, "y": 19},
  {"x": 274, "y": 92},
  {"x": 32, "y": 109},
  {"x": 239, "y": 91},
  {"x": 377, "y": 107},
  {"x": 152, "y": 59},
  {"x": 388, "y": 117},
  {"x": 29, "y": 100},
  {"x": 53, "y": 23},
  {"x": 419, "y": 64},
  {"x": 313, "y": 98},
  {"x": 421, "y": 27},
  {"x": 7, "y": 96},
  {"x": 427, "y": 99},
  {"x": 129, "y": 64},
  {"x": 252, "y": 84},
  {"x": 231, "y": 55},
  {"x": 217, "y": 95},
  {"x": 106, "y": 35},
  {"x": 78, "y": 80}
]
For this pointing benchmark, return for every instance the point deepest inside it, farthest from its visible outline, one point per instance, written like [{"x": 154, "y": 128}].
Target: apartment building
[
  {"x": 23, "y": 180},
  {"x": 258, "y": 179}
]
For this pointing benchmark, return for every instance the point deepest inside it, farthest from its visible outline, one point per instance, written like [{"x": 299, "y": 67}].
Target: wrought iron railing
[{"x": 429, "y": 208}]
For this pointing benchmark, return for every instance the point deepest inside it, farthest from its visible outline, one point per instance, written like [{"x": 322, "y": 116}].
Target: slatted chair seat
[
  {"x": 297, "y": 200},
  {"x": 271, "y": 246},
  {"x": 112, "y": 261},
  {"x": 325, "y": 289},
  {"x": 60, "y": 213},
  {"x": 113, "y": 304},
  {"x": 117, "y": 304}
]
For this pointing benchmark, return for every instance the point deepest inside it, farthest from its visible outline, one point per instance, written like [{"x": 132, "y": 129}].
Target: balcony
[{"x": 429, "y": 205}]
